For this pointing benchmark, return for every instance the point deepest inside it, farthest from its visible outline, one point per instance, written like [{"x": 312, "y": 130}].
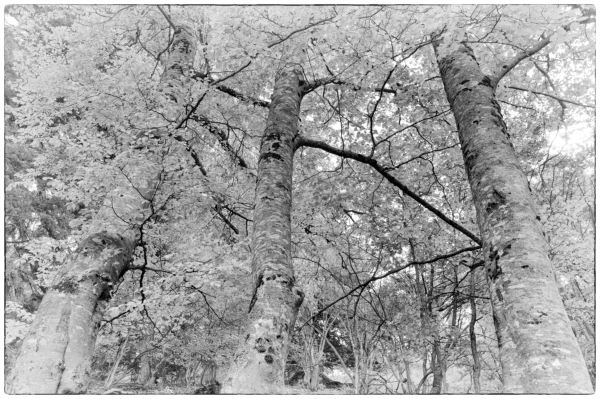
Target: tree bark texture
[
  {"x": 258, "y": 366},
  {"x": 538, "y": 351},
  {"x": 56, "y": 354}
]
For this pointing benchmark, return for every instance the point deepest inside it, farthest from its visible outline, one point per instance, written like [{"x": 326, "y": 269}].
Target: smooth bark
[
  {"x": 538, "y": 351},
  {"x": 259, "y": 363},
  {"x": 56, "y": 354}
]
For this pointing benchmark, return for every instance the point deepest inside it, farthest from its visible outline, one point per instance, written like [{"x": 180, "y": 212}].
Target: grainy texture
[
  {"x": 259, "y": 363},
  {"x": 56, "y": 354},
  {"x": 538, "y": 351}
]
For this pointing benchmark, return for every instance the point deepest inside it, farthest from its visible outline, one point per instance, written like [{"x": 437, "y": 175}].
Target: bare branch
[
  {"x": 232, "y": 74},
  {"x": 227, "y": 222},
  {"x": 372, "y": 113},
  {"x": 334, "y": 80},
  {"x": 304, "y": 142},
  {"x": 547, "y": 76},
  {"x": 247, "y": 64},
  {"x": 412, "y": 125},
  {"x": 563, "y": 100},
  {"x": 16, "y": 242},
  {"x": 242, "y": 97},
  {"x": 222, "y": 138},
  {"x": 167, "y": 17},
  {"x": 393, "y": 271},
  {"x": 300, "y": 30},
  {"x": 191, "y": 112},
  {"x": 508, "y": 66}
]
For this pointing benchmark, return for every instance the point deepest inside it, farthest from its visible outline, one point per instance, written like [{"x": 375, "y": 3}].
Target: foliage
[{"x": 82, "y": 102}]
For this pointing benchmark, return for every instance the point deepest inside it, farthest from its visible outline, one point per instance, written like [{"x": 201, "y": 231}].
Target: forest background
[{"x": 140, "y": 146}]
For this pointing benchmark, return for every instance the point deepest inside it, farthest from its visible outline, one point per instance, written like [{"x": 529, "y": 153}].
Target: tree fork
[{"x": 538, "y": 351}]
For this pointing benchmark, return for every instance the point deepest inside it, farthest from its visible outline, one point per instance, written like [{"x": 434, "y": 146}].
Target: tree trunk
[
  {"x": 56, "y": 354},
  {"x": 120, "y": 353},
  {"x": 473, "y": 338},
  {"x": 424, "y": 314},
  {"x": 209, "y": 372},
  {"x": 314, "y": 379},
  {"x": 337, "y": 354},
  {"x": 190, "y": 372},
  {"x": 538, "y": 351},
  {"x": 437, "y": 367},
  {"x": 409, "y": 385},
  {"x": 145, "y": 373},
  {"x": 258, "y": 366},
  {"x": 356, "y": 374}
]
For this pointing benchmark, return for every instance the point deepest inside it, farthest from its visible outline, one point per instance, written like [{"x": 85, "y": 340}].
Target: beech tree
[
  {"x": 376, "y": 192},
  {"x": 56, "y": 354},
  {"x": 523, "y": 288},
  {"x": 260, "y": 362}
]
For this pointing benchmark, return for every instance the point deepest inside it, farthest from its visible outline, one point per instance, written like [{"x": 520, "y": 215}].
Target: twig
[
  {"x": 551, "y": 96},
  {"x": 227, "y": 222},
  {"x": 510, "y": 64},
  {"x": 167, "y": 17},
  {"x": 232, "y": 74}
]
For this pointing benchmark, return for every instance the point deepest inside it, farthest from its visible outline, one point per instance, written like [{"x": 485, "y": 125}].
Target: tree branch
[
  {"x": 222, "y": 138},
  {"x": 563, "y": 100},
  {"x": 393, "y": 271},
  {"x": 236, "y": 94},
  {"x": 16, "y": 242},
  {"x": 510, "y": 64},
  {"x": 547, "y": 76},
  {"x": 506, "y": 67},
  {"x": 309, "y": 87},
  {"x": 246, "y": 65},
  {"x": 167, "y": 17},
  {"x": 227, "y": 222},
  {"x": 300, "y": 30},
  {"x": 304, "y": 142}
]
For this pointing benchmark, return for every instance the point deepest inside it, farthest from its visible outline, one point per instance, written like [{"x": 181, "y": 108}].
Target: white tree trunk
[{"x": 538, "y": 351}]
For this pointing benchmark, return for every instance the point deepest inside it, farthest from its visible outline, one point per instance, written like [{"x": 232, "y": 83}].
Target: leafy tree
[
  {"x": 378, "y": 159},
  {"x": 523, "y": 289},
  {"x": 67, "y": 321}
]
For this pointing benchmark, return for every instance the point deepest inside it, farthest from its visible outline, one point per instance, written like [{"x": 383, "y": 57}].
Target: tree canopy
[{"x": 386, "y": 245}]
